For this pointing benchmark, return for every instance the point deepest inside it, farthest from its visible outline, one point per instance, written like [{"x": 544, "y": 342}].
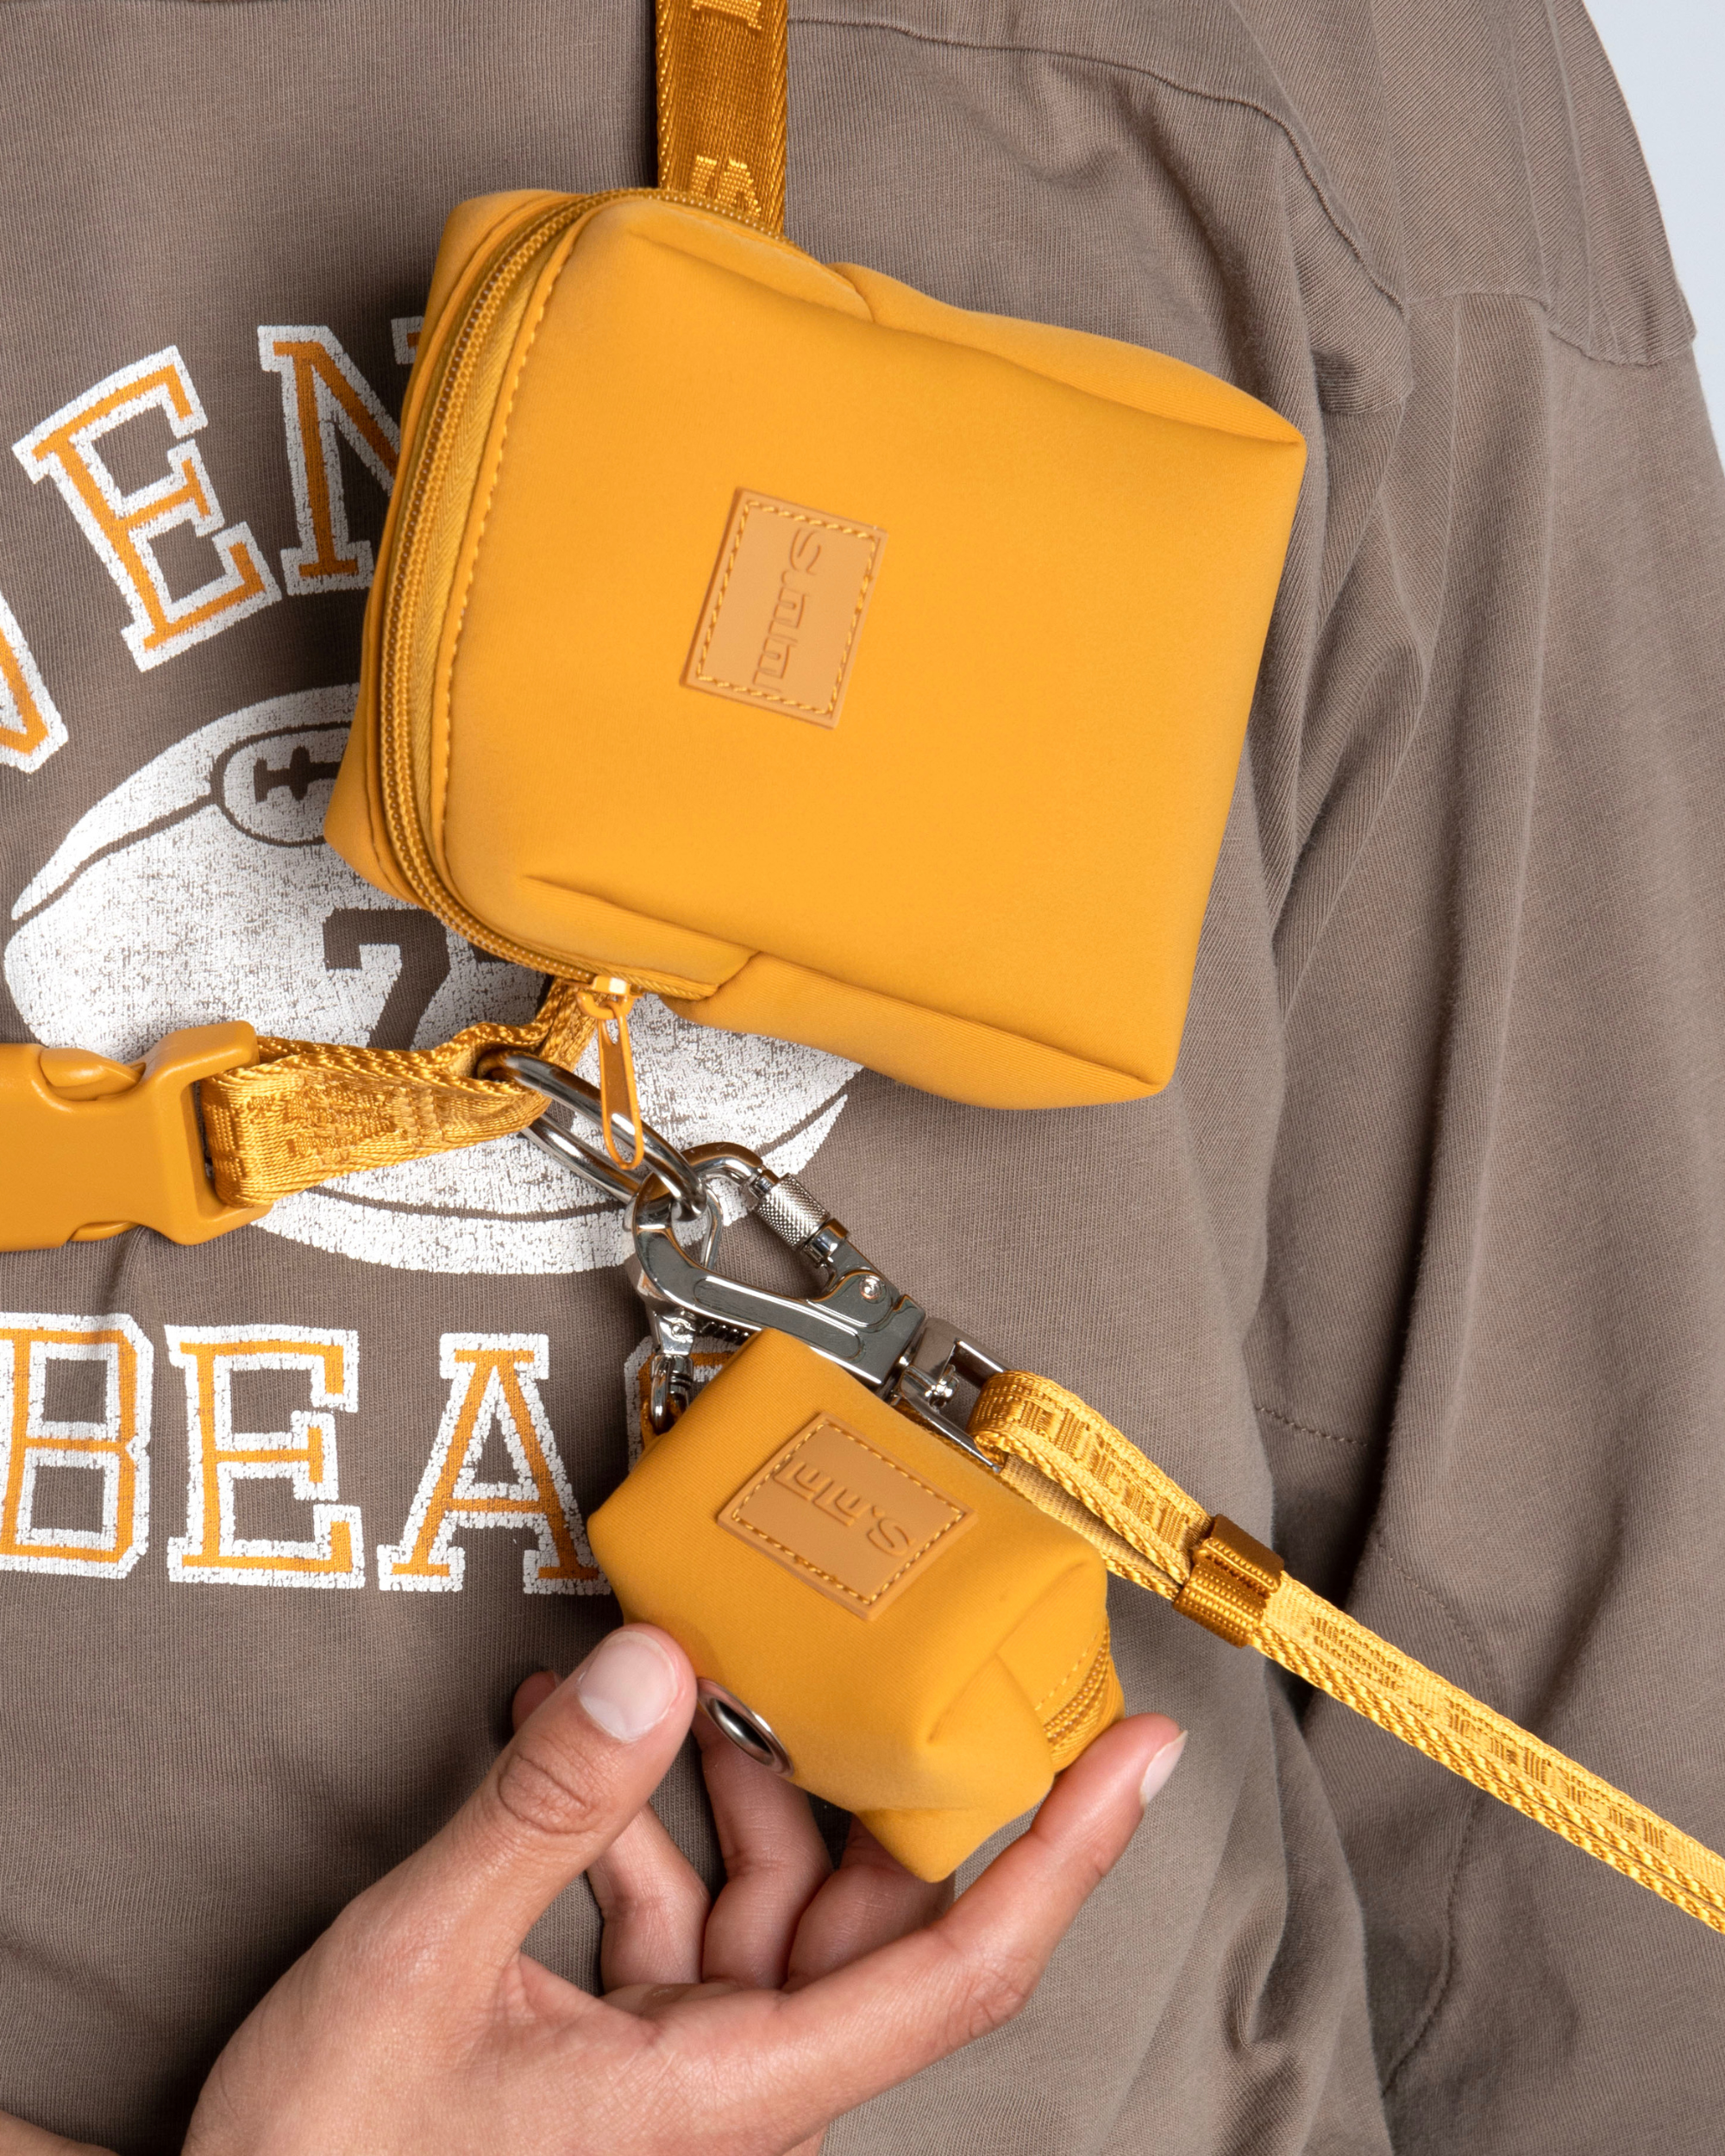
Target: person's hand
[
  {"x": 16, "y": 2139},
  {"x": 781, "y": 1917},
  {"x": 784, "y": 1915},
  {"x": 416, "y": 2024}
]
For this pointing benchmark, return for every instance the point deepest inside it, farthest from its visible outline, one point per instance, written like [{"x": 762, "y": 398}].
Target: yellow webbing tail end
[
  {"x": 1062, "y": 1455},
  {"x": 721, "y": 67},
  {"x": 1069, "y": 1445},
  {"x": 309, "y": 1109}
]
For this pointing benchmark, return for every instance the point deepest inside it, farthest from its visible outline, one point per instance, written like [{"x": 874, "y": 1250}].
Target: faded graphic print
[{"x": 200, "y": 889}]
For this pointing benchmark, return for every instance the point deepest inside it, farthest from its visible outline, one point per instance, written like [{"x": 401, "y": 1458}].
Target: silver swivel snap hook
[
  {"x": 671, "y": 1378},
  {"x": 856, "y": 1316}
]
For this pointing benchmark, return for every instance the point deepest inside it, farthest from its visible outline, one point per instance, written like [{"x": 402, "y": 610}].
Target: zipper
[
  {"x": 407, "y": 576},
  {"x": 1069, "y": 1728},
  {"x": 407, "y": 572}
]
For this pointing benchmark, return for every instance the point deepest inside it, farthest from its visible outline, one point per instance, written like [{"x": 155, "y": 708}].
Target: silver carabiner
[
  {"x": 857, "y": 1318},
  {"x": 660, "y": 1159}
]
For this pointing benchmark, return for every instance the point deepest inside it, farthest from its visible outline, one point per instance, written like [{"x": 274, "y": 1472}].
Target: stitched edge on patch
[
  {"x": 747, "y": 503},
  {"x": 728, "y": 1512}
]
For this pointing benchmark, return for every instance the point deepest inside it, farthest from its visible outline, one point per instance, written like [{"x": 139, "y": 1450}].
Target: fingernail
[
  {"x": 1162, "y": 1765},
  {"x": 627, "y": 1685}
]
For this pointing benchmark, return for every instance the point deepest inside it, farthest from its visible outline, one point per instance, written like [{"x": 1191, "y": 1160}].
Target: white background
[{"x": 1670, "y": 58}]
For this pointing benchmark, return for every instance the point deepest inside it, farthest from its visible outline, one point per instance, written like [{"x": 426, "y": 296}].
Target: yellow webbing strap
[
  {"x": 1064, "y": 1458},
  {"x": 309, "y": 1109},
  {"x": 721, "y": 65}
]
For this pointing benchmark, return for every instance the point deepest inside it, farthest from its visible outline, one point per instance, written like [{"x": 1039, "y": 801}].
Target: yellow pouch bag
[
  {"x": 834, "y": 663},
  {"x": 918, "y": 1643},
  {"x": 918, "y": 645},
  {"x": 900, "y": 1603}
]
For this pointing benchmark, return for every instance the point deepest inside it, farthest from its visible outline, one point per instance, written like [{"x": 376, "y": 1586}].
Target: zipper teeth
[
  {"x": 1065, "y": 1720},
  {"x": 400, "y": 810}
]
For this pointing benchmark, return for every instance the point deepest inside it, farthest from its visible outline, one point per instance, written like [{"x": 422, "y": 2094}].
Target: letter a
[{"x": 492, "y": 1379}]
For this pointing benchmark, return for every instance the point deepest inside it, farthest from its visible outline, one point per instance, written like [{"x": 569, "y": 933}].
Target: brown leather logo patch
[
  {"x": 846, "y": 1516},
  {"x": 785, "y": 608}
]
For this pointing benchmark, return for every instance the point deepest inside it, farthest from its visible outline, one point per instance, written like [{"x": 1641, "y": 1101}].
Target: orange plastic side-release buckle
[{"x": 89, "y": 1147}]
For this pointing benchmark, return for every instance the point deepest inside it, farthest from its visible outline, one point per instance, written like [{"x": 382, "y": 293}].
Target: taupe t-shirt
[{"x": 1416, "y": 1264}]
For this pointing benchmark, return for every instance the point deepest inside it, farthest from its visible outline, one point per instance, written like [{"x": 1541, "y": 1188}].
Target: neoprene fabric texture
[
  {"x": 1414, "y": 1270},
  {"x": 1092, "y": 537}
]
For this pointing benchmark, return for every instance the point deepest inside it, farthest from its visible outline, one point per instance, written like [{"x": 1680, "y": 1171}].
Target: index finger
[{"x": 845, "y": 2037}]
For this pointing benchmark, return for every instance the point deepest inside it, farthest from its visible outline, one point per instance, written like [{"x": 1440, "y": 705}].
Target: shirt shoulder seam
[{"x": 1038, "y": 50}]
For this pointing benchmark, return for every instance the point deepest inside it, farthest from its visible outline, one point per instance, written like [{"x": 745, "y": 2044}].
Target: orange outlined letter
[
  {"x": 30, "y": 728},
  {"x": 324, "y": 398},
  {"x": 222, "y": 1457},
  {"x": 492, "y": 1383},
  {"x": 122, "y": 527},
  {"x": 116, "y": 1447}
]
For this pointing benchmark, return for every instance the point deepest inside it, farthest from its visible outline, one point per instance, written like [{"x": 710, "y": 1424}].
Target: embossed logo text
[
  {"x": 855, "y": 1523},
  {"x": 785, "y": 608}
]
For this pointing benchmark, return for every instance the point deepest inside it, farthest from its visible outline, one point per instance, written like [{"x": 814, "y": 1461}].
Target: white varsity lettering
[
  {"x": 493, "y": 1384},
  {"x": 123, "y": 527},
  {"x": 222, "y": 1457},
  {"x": 30, "y": 728},
  {"x": 114, "y": 1446},
  {"x": 326, "y": 400}
]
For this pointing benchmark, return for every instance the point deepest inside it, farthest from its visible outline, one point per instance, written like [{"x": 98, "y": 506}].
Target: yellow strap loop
[
  {"x": 722, "y": 125},
  {"x": 309, "y": 1109},
  {"x": 1066, "y": 1459}
]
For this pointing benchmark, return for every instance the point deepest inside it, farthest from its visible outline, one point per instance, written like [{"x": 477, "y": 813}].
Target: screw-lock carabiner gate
[{"x": 856, "y": 1316}]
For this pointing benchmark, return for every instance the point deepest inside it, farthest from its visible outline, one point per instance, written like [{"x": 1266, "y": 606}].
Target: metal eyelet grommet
[{"x": 744, "y": 1728}]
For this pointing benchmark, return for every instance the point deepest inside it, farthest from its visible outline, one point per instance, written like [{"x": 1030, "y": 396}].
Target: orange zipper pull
[{"x": 607, "y": 1002}]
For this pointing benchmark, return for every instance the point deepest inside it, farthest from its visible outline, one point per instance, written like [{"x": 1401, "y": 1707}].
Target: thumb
[
  {"x": 576, "y": 1772},
  {"x": 16, "y": 2139}
]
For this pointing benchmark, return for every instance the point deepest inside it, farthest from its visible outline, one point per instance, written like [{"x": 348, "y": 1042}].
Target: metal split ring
[{"x": 591, "y": 1163}]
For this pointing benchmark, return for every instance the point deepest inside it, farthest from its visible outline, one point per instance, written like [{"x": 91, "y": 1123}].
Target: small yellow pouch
[
  {"x": 927, "y": 1647},
  {"x": 835, "y": 663}
]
